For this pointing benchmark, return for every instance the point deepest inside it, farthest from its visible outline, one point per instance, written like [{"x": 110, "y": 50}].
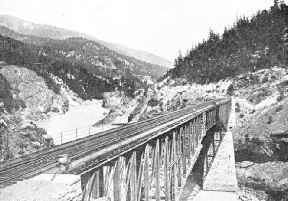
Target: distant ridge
[{"x": 48, "y": 31}]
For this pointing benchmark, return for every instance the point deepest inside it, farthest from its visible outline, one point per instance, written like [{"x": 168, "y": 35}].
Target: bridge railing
[
  {"x": 154, "y": 165},
  {"x": 77, "y": 133},
  {"x": 70, "y": 135}
]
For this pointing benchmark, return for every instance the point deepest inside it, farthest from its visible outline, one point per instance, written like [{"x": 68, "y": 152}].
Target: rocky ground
[
  {"x": 18, "y": 140},
  {"x": 163, "y": 97},
  {"x": 122, "y": 106},
  {"x": 32, "y": 89},
  {"x": 269, "y": 180},
  {"x": 261, "y": 139},
  {"x": 25, "y": 98}
]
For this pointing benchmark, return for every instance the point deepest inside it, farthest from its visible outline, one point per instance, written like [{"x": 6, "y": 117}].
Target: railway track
[{"x": 31, "y": 165}]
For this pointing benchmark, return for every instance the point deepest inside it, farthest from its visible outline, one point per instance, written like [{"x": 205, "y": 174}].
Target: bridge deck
[{"x": 87, "y": 153}]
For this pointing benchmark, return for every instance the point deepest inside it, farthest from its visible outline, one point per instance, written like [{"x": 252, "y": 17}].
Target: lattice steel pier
[{"x": 155, "y": 165}]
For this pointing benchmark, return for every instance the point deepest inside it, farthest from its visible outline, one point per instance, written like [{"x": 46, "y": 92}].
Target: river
[{"x": 80, "y": 117}]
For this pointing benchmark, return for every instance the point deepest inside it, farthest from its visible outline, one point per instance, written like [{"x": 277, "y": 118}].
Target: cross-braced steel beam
[{"x": 158, "y": 168}]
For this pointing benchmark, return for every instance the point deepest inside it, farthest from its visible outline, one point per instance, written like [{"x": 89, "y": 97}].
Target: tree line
[{"x": 248, "y": 45}]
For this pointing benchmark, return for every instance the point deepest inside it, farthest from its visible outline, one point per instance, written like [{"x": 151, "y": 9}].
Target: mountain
[
  {"x": 28, "y": 28},
  {"x": 148, "y": 69},
  {"x": 81, "y": 63},
  {"x": 46, "y": 31},
  {"x": 249, "y": 45},
  {"x": 138, "y": 54}
]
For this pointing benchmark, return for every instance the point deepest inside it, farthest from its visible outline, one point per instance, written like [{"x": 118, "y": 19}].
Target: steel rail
[
  {"x": 26, "y": 158},
  {"x": 150, "y": 137},
  {"x": 112, "y": 140},
  {"x": 36, "y": 162}
]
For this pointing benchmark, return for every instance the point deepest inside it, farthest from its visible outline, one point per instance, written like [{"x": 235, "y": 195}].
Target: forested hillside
[
  {"x": 249, "y": 45},
  {"x": 20, "y": 26},
  {"x": 88, "y": 68}
]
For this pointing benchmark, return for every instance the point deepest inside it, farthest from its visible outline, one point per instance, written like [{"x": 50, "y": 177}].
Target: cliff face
[
  {"x": 270, "y": 177},
  {"x": 37, "y": 99},
  {"x": 25, "y": 96},
  {"x": 261, "y": 135},
  {"x": 261, "y": 108}
]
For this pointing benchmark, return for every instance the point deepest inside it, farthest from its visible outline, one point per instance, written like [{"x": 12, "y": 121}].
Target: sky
[{"x": 161, "y": 27}]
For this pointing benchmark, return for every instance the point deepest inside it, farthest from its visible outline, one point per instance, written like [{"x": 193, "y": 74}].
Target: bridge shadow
[{"x": 194, "y": 182}]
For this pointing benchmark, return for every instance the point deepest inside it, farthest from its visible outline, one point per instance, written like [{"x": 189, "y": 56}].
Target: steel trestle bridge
[{"x": 147, "y": 160}]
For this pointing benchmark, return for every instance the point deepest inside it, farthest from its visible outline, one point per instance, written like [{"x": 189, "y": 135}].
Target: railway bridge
[{"x": 147, "y": 160}]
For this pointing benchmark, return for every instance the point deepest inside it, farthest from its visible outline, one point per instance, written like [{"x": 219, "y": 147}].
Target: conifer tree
[{"x": 249, "y": 45}]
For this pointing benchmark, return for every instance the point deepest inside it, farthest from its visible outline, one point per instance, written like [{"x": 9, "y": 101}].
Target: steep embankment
[
  {"x": 170, "y": 95},
  {"x": 122, "y": 108},
  {"x": 33, "y": 92},
  {"x": 24, "y": 95},
  {"x": 261, "y": 108},
  {"x": 261, "y": 135}
]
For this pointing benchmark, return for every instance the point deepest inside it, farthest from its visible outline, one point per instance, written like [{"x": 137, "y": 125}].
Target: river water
[{"x": 80, "y": 117}]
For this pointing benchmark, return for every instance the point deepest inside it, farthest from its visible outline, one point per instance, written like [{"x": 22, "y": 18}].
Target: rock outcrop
[
  {"x": 25, "y": 96},
  {"x": 170, "y": 95},
  {"x": 261, "y": 108},
  {"x": 270, "y": 178},
  {"x": 33, "y": 91},
  {"x": 17, "y": 140},
  {"x": 261, "y": 134}
]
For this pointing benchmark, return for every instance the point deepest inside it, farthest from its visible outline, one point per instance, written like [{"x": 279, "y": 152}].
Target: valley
[{"x": 55, "y": 81}]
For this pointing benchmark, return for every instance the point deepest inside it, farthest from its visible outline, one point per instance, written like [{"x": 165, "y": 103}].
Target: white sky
[{"x": 161, "y": 27}]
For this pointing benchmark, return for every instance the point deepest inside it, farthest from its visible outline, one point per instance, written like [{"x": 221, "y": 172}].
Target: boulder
[
  {"x": 36, "y": 145},
  {"x": 48, "y": 141},
  {"x": 271, "y": 176},
  {"x": 245, "y": 164}
]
